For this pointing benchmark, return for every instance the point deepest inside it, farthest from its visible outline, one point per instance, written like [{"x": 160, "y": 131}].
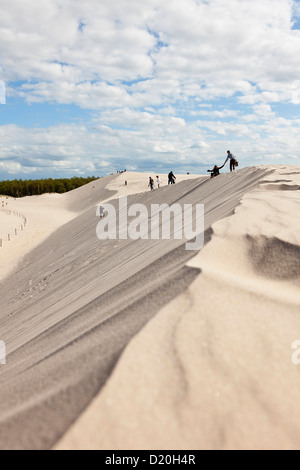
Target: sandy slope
[
  {"x": 138, "y": 182},
  {"x": 219, "y": 371},
  {"x": 74, "y": 303},
  {"x": 45, "y": 214},
  {"x": 10, "y": 222}
]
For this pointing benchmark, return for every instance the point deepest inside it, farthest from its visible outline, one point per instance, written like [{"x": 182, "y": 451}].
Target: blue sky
[
  {"x": 41, "y": 114},
  {"x": 89, "y": 88}
]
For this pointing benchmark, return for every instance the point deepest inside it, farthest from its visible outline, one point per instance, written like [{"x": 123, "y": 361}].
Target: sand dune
[
  {"x": 219, "y": 369},
  {"x": 45, "y": 214},
  {"x": 210, "y": 360},
  {"x": 54, "y": 298},
  {"x": 137, "y": 183},
  {"x": 11, "y": 222}
]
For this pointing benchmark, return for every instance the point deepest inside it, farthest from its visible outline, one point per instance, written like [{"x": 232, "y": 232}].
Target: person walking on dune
[
  {"x": 171, "y": 178},
  {"x": 151, "y": 183},
  {"x": 233, "y": 161},
  {"x": 158, "y": 181}
]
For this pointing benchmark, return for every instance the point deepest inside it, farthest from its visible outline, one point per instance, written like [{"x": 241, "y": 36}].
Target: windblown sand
[
  {"x": 71, "y": 288},
  {"x": 148, "y": 345},
  {"x": 213, "y": 370},
  {"x": 45, "y": 214}
]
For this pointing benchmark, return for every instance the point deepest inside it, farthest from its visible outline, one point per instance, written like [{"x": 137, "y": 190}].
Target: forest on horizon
[{"x": 21, "y": 188}]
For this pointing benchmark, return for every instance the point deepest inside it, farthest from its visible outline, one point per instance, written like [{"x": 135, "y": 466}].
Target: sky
[{"x": 90, "y": 88}]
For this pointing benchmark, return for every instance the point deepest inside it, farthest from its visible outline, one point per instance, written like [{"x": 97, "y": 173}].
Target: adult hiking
[
  {"x": 233, "y": 160},
  {"x": 171, "y": 178},
  {"x": 151, "y": 183}
]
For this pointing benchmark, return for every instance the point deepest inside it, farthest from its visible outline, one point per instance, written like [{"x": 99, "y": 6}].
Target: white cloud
[
  {"x": 160, "y": 143},
  {"x": 183, "y": 79},
  {"x": 213, "y": 49}
]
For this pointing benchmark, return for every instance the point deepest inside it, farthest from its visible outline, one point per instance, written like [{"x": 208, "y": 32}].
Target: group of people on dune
[
  {"x": 171, "y": 180},
  {"x": 214, "y": 172},
  {"x": 233, "y": 164}
]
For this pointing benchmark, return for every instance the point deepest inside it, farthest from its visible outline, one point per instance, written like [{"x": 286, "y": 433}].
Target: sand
[
  {"x": 130, "y": 183},
  {"x": 219, "y": 371},
  {"x": 72, "y": 289},
  {"x": 38, "y": 218},
  {"x": 141, "y": 344},
  {"x": 28, "y": 221}
]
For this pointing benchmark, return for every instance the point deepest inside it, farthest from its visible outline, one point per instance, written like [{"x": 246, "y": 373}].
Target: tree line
[{"x": 22, "y": 188}]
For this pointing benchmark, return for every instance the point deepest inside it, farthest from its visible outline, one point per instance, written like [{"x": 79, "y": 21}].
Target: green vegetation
[{"x": 21, "y": 188}]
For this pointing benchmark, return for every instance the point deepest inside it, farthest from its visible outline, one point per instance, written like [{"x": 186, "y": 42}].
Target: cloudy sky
[{"x": 91, "y": 87}]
